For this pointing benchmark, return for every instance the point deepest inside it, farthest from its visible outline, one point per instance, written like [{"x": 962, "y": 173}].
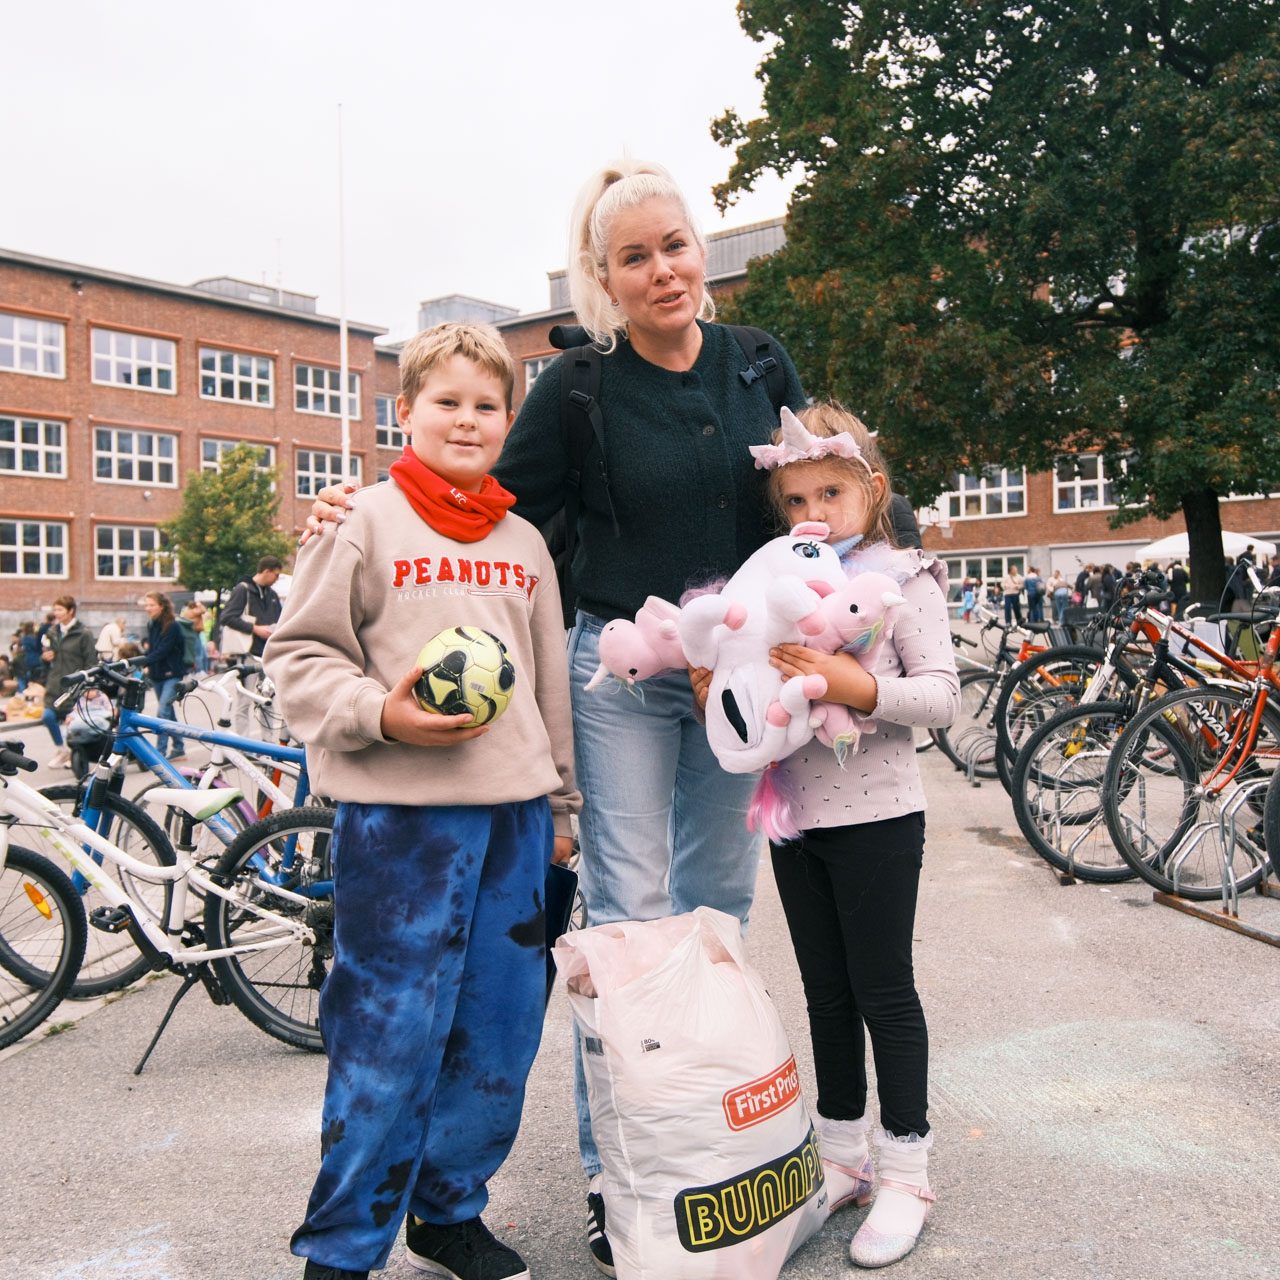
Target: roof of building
[{"x": 79, "y": 271}]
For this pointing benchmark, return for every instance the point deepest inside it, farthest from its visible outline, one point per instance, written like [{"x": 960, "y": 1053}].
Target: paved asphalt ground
[{"x": 1105, "y": 1092}]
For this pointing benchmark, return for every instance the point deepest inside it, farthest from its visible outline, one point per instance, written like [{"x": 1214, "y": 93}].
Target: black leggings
[{"x": 849, "y": 894}]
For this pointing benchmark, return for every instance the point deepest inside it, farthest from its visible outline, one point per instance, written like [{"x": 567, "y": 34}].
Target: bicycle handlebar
[{"x": 14, "y": 758}]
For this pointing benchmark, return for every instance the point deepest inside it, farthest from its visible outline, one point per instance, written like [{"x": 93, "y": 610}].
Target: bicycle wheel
[
  {"x": 972, "y": 736},
  {"x": 1038, "y": 688},
  {"x": 1271, "y": 823},
  {"x": 1183, "y": 809},
  {"x": 42, "y": 938},
  {"x": 112, "y": 960},
  {"x": 1057, "y": 791},
  {"x": 278, "y": 988}
]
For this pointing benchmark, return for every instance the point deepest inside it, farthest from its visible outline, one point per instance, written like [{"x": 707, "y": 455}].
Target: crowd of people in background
[{"x": 1094, "y": 587}]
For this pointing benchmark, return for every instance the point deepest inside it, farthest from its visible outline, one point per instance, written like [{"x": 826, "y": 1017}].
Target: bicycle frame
[{"x": 84, "y": 849}]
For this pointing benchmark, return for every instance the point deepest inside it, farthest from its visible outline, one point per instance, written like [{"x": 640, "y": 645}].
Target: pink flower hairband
[{"x": 799, "y": 444}]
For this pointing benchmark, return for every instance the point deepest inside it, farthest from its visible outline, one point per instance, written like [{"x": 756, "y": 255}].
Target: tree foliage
[
  {"x": 227, "y": 522},
  {"x": 1029, "y": 230}
]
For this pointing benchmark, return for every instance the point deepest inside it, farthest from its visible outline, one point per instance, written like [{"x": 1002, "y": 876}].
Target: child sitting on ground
[{"x": 432, "y": 1012}]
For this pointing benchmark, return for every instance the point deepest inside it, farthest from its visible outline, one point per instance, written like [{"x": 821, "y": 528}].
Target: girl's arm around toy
[
  {"x": 914, "y": 679},
  {"x": 315, "y": 659}
]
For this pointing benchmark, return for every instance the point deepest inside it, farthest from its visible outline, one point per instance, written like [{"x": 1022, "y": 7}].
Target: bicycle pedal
[{"x": 110, "y": 919}]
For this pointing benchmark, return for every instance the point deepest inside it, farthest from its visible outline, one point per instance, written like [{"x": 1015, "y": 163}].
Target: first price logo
[{"x": 759, "y": 1099}]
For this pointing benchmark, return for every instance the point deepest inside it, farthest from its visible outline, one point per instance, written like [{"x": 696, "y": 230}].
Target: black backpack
[{"x": 582, "y": 425}]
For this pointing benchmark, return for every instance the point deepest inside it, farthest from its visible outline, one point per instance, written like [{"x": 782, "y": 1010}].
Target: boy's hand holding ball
[{"x": 404, "y": 720}]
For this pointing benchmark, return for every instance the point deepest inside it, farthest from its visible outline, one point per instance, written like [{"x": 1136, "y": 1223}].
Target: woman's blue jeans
[
  {"x": 166, "y": 696},
  {"x": 51, "y": 722},
  {"x": 663, "y": 827}
]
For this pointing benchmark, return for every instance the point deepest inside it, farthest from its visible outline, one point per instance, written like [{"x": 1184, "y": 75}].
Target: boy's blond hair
[
  {"x": 829, "y": 418},
  {"x": 482, "y": 344}
]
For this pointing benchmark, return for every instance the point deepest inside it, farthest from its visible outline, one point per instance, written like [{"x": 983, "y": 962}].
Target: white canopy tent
[{"x": 1232, "y": 545}]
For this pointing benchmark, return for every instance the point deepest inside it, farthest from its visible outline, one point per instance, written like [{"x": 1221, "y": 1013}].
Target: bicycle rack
[{"x": 971, "y": 746}]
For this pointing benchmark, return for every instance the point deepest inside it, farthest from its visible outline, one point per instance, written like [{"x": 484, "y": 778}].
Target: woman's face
[
  {"x": 654, "y": 269},
  {"x": 152, "y": 607}
]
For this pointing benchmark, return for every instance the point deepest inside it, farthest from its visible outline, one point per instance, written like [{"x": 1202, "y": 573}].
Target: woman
[
  {"x": 164, "y": 663},
  {"x": 663, "y": 827},
  {"x": 1011, "y": 587},
  {"x": 1060, "y": 594}
]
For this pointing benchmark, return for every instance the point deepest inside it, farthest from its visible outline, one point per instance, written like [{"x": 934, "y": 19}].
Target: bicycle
[
  {"x": 99, "y": 800},
  {"x": 1184, "y": 790},
  {"x": 266, "y": 934},
  {"x": 42, "y": 930}
]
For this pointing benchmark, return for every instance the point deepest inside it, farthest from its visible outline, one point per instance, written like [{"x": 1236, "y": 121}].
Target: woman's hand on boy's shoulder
[
  {"x": 403, "y": 720},
  {"x": 330, "y": 507}
]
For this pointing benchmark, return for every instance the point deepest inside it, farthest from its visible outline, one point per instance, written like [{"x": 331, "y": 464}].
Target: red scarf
[{"x": 464, "y": 517}]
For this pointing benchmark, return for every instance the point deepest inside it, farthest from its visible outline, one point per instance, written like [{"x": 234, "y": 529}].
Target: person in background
[
  {"x": 1060, "y": 596},
  {"x": 110, "y": 638},
  {"x": 194, "y": 654},
  {"x": 67, "y": 647},
  {"x": 1179, "y": 584},
  {"x": 1108, "y": 587},
  {"x": 164, "y": 663},
  {"x": 1011, "y": 589},
  {"x": 968, "y": 598},
  {"x": 1033, "y": 584},
  {"x": 252, "y": 609}
]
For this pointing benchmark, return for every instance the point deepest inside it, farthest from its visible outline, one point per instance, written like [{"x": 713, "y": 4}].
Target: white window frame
[
  {"x": 984, "y": 487},
  {"x": 239, "y": 377},
  {"x": 319, "y": 384},
  {"x": 43, "y": 549},
  {"x": 42, "y": 449},
  {"x": 128, "y": 356},
  {"x": 533, "y": 368},
  {"x": 267, "y": 462},
  {"x": 152, "y": 563},
  {"x": 960, "y": 565},
  {"x": 44, "y": 341},
  {"x": 389, "y": 433},
  {"x": 1077, "y": 484},
  {"x": 310, "y": 475},
  {"x": 140, "y": 461}
]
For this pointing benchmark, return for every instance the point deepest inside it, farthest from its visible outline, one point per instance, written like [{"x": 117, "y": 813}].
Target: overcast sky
[{"x": 178, "y": 141}]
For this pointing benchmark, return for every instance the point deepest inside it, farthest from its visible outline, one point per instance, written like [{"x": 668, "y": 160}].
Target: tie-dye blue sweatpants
[{"x": 431, "y": 1017}]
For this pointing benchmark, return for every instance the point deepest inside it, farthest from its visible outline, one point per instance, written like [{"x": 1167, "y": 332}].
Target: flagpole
[{"x": 343, "y": 355}]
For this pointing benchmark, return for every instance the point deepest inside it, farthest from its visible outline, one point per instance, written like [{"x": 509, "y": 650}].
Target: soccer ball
[{"x": 465, "y": 670}]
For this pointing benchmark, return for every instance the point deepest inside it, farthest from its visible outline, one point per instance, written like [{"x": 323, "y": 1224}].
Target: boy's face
[{"x": 458, "y": 423}]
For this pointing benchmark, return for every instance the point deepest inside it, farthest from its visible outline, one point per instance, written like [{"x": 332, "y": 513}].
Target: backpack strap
[
  {"x": 757, "y": 346},
  {"x": 582, "y": 425}
]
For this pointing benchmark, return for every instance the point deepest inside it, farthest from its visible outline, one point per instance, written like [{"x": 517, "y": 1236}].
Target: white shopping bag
[{"x": 711, "y": 1167}]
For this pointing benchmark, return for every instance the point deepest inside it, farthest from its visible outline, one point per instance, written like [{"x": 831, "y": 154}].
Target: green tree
[
  {"x": 1025, "y": 231},
  {"x": 227, "y": 522}
]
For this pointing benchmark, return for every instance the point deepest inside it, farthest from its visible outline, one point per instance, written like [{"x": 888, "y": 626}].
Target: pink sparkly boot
[
  {"x": 902, "y": 1202},
  {"x": 846, "y": 1162}
]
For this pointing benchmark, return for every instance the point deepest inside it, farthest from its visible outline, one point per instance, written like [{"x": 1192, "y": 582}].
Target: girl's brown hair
[
  {"x": 166, "y": 617},
  {"x": 829, "y": 418}
]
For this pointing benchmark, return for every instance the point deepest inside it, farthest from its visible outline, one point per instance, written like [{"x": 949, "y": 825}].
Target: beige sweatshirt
[{"x": 363, "y": 602}]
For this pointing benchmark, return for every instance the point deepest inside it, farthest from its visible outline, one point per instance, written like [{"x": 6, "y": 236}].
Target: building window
[
  {"x": 532, "y": 368},
  {"x": 32, "y": 447},
  {"x": 235, "y": 375},
  {"x": 389, "y": 434},
  {"x": 316, "y": 468},
  {"x": 134, "y": 360},
  {"x": 211, "y": 452},
  {"x": 1082, "y": 484},
  {"x": 33, "y": 549},
  {"x": 996, "y": 492},
  {"x": 124, "y": 456},
  {"x": 315, "y": 390},
  {"x": 987, "y": 569},
  {"x": 132, "y": 551},
  {"x": 28, "y": 345}
]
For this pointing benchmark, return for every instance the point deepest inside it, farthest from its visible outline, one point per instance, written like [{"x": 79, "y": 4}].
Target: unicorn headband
[{"x": 799, "y": 444}]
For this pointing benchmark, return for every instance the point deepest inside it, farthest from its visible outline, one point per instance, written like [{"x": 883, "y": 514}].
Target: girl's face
[{"x": 822, "y": 491}]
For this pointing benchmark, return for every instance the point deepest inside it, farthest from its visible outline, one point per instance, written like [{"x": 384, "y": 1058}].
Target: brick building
[{"x": 113, "y": 388}]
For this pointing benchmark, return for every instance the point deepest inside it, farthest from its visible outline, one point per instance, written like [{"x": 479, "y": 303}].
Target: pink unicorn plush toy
[{"x": 636, "y": 650}]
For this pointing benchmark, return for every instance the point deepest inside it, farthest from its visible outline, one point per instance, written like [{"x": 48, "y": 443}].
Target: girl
[
  {"x": 164, "y": 662},
  {"x": 848, "y": 883}
]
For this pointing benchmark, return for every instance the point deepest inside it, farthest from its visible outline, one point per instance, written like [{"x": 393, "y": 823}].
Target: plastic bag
[{"x": 711, "y": 1166}]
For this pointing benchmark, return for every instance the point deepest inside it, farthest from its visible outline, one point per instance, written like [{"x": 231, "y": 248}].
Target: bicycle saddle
[{"x": 200, "y": 803}]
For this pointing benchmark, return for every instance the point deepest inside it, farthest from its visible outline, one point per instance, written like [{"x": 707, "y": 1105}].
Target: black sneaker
[
  {"x": 314, "y": 1271},
  {"x": 463, "y": 1251},
  {"x": 597, "y": 1241}
]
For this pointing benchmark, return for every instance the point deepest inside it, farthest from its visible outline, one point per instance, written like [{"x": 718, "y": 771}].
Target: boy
[{"x": 430, "y": 1021}]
